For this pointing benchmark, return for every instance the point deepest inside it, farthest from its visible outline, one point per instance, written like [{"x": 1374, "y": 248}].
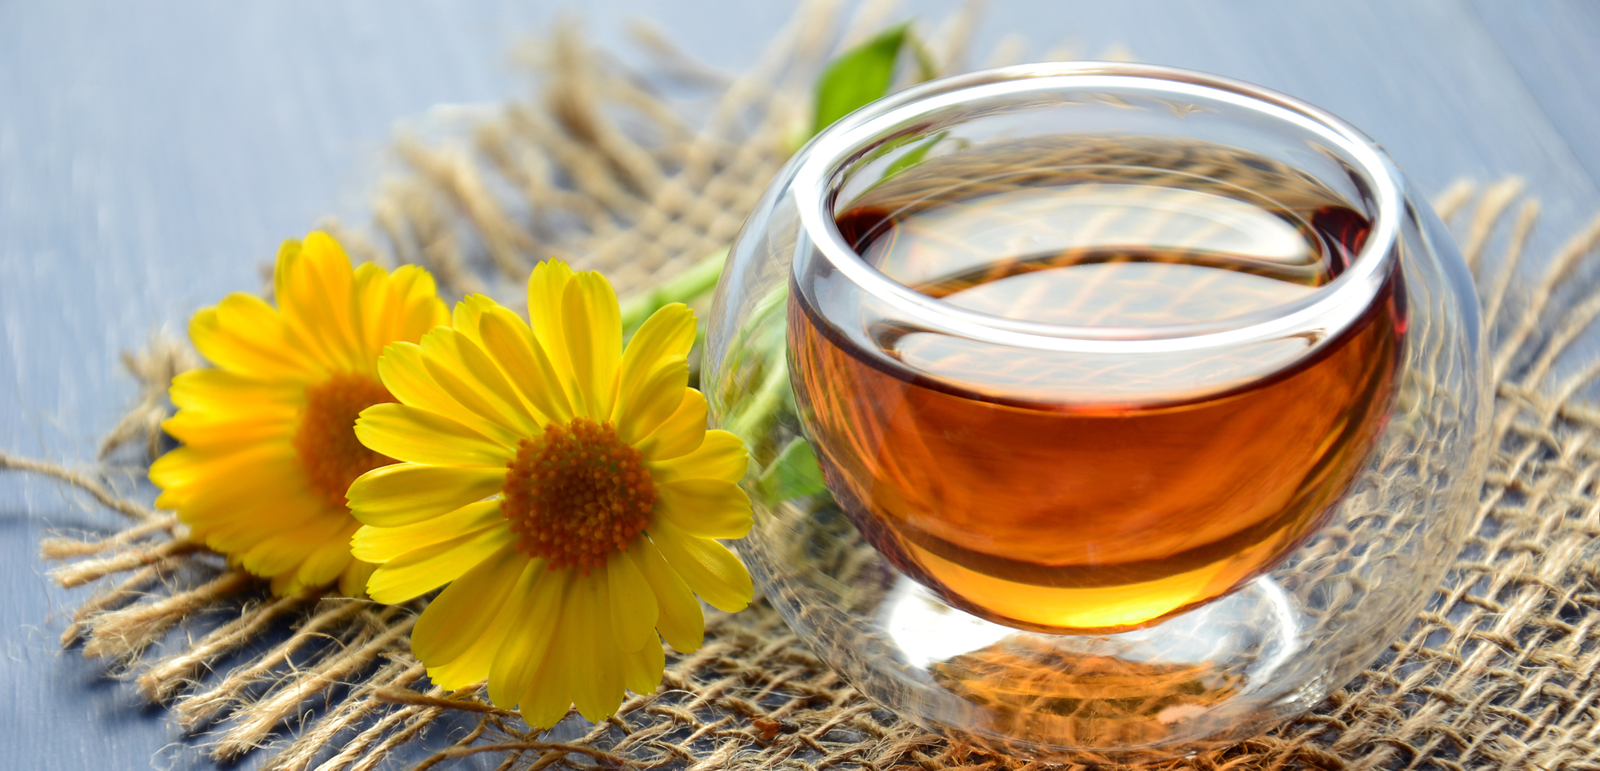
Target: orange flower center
[
  {"x": 330, "y": 454},
  {"x": 576, "y": 493}
]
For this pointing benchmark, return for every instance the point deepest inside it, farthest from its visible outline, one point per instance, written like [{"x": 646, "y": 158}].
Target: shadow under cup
[{"x": 1146, "y": 405}]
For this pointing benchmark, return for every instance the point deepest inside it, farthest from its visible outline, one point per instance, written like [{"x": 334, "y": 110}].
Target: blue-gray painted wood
[
  {"x": 1552, "y": 46},
  {"x": 151, "y": 159}
]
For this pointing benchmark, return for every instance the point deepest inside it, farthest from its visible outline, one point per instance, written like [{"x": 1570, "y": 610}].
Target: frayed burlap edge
[{"x": 1498, "y": 673}]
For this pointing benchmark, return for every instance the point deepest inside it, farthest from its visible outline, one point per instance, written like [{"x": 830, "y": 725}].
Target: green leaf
[
  {"x": 794, "y": 474},
  {"x": 859, "y": 76}
]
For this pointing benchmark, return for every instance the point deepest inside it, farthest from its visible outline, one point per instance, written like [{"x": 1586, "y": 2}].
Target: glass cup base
[{"x": 1206, "y": 678}]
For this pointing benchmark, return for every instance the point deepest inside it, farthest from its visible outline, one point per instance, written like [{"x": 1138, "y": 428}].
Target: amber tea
[{"x": 1094, "y": 491}]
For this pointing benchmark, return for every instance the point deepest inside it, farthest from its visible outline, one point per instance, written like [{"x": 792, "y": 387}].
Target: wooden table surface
[{"x": 151, "y": 159}]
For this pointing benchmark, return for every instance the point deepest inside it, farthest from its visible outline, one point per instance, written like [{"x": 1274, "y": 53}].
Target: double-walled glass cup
[{"x": 1100, "y": 411}]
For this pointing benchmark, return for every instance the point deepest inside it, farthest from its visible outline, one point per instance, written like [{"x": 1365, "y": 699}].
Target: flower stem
[
  {"x": 682, "y": 288},
  {"x": 753, "y": 418}
]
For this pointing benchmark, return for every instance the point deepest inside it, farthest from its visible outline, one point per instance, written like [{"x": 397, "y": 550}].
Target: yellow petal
[
  {"x": 325, "y": 266},
  {"x": 239, "y": 351},
  {"x": 669, "y": 332},
  {"x": 312, "y": 283},
  {"x": 284, "y": 584},
  {"x": 422, "y": 309},
  {"x": 483, "y": 370},
  {"x": 706, "y": 566},
  {"x": 456, "y": 619},
  {"x": 288, "y": 255},
  {"x": 633, "y": 606},
  {"x": 417, "y": 435},
  {"x": 705, "y": 508},
  {"x": 547, "y": 285},
  {"x": 680, "y": 620},
  {"x": 404, "y": 374},
  {"x": 476, "y": 662},
  {"x": 657, "y": 398},
  {"x": 404, "y": 493},
  {"x": 250, "y": 315},
  {"x": 641, "y": 670},
  {"x": 519, "y": 353},
  {"x": 374, "y": 312},
  {"x": 468, "y": 313},
  {"x": 381, "y": 544},
  {"x": 433, "y": 566},
  {"x": 277, "y": 556},
  {"x": 528, "y": 640},
  {"x": 234, "y": 430},
  {"x": 218, "y": 390},
  {"x": 680, "y": 434},
  {"x": 548, "y": 696},
  {"x": 235, "y": 528},
  {"x": 721, "y": 456},
  {"x": 353, "y": 581},
  {"x": 190, "y": 472},
  {"x": 326, "y": 562},
  {"x": 465, "y": 372},
  {"x": 251, "y": 319},
  {"x": 387, "y": 308},
  {"x": 284, "y": 551},
  {"x": 267, "y": 503},
  {"x": 593, "y": 331},
  {"x": 597, "y": 681}
]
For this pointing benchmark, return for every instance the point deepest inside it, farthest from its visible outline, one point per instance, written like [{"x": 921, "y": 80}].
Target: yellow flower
[
  {"x": 567, "y": 490},
  {"x": 269, "y": 444}
]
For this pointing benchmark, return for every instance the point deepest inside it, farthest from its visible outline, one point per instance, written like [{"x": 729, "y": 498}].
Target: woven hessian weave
[{"x": 1499, "y": 672}]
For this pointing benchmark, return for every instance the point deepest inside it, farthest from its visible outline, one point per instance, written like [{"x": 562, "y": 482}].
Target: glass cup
[{"x": 1101, "y": 412}]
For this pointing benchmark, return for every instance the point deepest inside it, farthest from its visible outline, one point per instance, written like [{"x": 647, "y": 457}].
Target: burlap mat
[{"x": 1499, "y": 672}]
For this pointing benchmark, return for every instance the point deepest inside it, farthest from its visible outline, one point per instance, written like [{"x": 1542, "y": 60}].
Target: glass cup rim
[{"x": 1319, "y": 315}]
